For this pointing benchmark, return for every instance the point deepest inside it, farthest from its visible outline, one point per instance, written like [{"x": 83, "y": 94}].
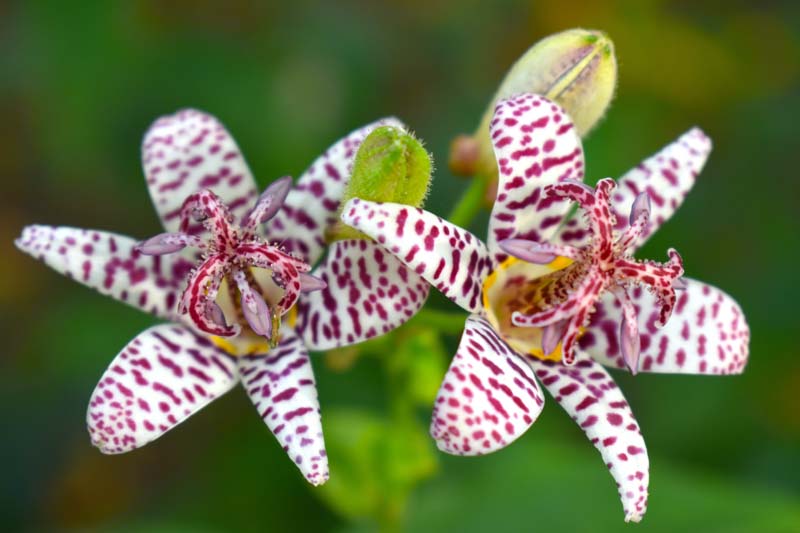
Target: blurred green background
[{"x": 81, "y": 81}]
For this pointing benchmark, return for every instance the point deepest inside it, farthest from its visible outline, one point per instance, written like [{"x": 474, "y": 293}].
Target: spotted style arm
[
  {"x": 707, "y": 333},
  {"x": 448, "y": 257},
  {"x": 369, "y": 292},
  {"x": 489, "y": 396},
  {"x": 536, "y": 145},
  {"x": 187, "y": 152},
  {"x": 590, "y": 396},
  {"x": 666, "y": 177},
  {"x": 282, "y": 388},
  {"x": 310, "y": 208},
  {"x": 108, "y": 263},
  {"x": 162, "y": 377}
]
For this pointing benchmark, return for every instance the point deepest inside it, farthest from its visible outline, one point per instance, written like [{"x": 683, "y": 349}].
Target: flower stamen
[{"x": 566, "y": 303}]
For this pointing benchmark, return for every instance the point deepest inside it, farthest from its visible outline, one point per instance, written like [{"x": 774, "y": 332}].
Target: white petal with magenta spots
[
  {"x": 312, "y": 205},
  {"x": 189, "y": 151},
  {"x": 108, "y": 263},
  {"x": 282, "y": 388},
  {"x": 589, "y": 395},
  {"x": 707, "y": 333},
  {"x": 369, "y": 292},
  {"x": 666, "y": 177},
  {"x": 450, "y": 258},
  {"x": 489, "y": 396},
  {"x": 163, "y": 376},
  {"x": 535, "y": 144}
]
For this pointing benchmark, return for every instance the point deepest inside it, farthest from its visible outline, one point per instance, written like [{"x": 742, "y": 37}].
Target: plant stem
[{"x": 469, "y": 204}]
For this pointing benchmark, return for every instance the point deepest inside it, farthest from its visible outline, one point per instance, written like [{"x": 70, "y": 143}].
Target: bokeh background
[{"x": 81, "y": 81}]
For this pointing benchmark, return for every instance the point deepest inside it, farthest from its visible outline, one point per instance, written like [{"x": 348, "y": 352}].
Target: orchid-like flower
[
  {"x": 233, "y": 305},
  {"x": 572, "y": 301}
]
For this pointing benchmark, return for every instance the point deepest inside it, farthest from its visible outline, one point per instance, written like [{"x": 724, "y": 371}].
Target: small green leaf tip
[
  {"x": 576, "y": 68},
  {"x": 390, "y": 166}
]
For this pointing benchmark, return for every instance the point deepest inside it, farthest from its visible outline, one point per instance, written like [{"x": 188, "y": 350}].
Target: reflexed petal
[
  {"x": 189, "y": 151},
  {"x": 589, "y": 395},
  {"x": 312, "y": 205},
  {"x": 489, "y": 396},
  {"x": 707, "y": 333},
  {"x": 162, "y": 377},
  {"x": 370, "y": 292},
  {"x": 535, "y": 144},
  {"x": 666, "y": 176},
  {"x": 451, "y": 259},
  {"x": 109, "y": 264},
  {"x": 281, "y": 385}
]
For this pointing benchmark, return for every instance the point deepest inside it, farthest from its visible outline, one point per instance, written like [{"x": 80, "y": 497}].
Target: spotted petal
[
  {"x": 162, "y": 377},
  {"x": 535, "y": 144},
  {"x": 589, "y": 395},
  {"x": 707, "y": 333},
  {"x": 312, "y": 205},
  {"x": 108, "y": 263},
  {"x": 666, "y": 177},
  {"x": 281, "y": 385},
  {"x": 489, "y": 396},
  {"x": 369, "y": 292},
  {"x": 190, "y": 151},
  {"x": 449, "y": 258}
]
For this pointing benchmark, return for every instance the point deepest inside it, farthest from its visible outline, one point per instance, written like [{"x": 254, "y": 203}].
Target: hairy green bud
[{"x": 390, "y": 166}]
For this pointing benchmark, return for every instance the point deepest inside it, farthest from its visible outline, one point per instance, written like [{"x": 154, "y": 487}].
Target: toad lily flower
[
  {"x": 553, "y": 317},
  {"x": 226, "y": 304}
]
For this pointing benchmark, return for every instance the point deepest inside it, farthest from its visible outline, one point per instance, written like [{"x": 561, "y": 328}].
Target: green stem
[{"x": 470, "y": 203}]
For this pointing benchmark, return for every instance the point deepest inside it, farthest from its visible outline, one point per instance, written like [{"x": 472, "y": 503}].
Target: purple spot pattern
[
  {"x": 707, "y": 333},
  {"x": 109, "y": 264},
  {"x": 313, "y": 203},
  {"x": 163, "y": 376},
  {"x": 282, "y": 388},
  {"x": 705, "y": 323},
  {"x": 489, "y": 396},
  {"x": 370, "y": 292},
  {"x": 667, "y": 177},
  {"x": 189, "y": 151},
  {"x": 589, "y": 395},
  {"x": 536, "y": 145},
  {"x": 448, "y": 257}
]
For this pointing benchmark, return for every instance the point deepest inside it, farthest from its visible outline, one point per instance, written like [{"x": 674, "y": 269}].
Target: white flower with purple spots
[
  {"x": 572, "y": 301},
  {"x": 237, "y": 287}
]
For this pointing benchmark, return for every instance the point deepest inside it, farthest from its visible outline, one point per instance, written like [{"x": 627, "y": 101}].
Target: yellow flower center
[{"x": 520, "y": 286}]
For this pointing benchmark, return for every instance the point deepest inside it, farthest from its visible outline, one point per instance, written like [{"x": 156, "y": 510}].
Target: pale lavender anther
[
  {"x": 640, "y": 207},
  {"x": 679, "y": 284},
  {"x": 164, "y": 243},
  {"x": 529, "y": 251},
  {"x": 254, "y": 308},
  {"x": 270, "y": 201},
  {"x": 309, "y": 283},
  {"x": 552, "y": 335},
  {"x": 215, "y": 313},
  {"x": 629, "y": 340}
]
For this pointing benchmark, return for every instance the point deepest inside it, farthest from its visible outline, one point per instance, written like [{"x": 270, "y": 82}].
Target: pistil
[{"x": 565, "y": 303}]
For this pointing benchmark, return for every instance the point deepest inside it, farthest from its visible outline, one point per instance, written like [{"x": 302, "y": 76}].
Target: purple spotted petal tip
[
  {"x": 164, "y": 243},
  {"x": 641, "y": 206},
  {"x": 310, "y": 283},
  {"x": 529, "y": 251}
]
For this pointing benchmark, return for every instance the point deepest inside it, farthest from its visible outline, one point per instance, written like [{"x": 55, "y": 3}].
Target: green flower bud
[
  {"x": 390, "y": 166},
  {"x": 576, "y": 69}
]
